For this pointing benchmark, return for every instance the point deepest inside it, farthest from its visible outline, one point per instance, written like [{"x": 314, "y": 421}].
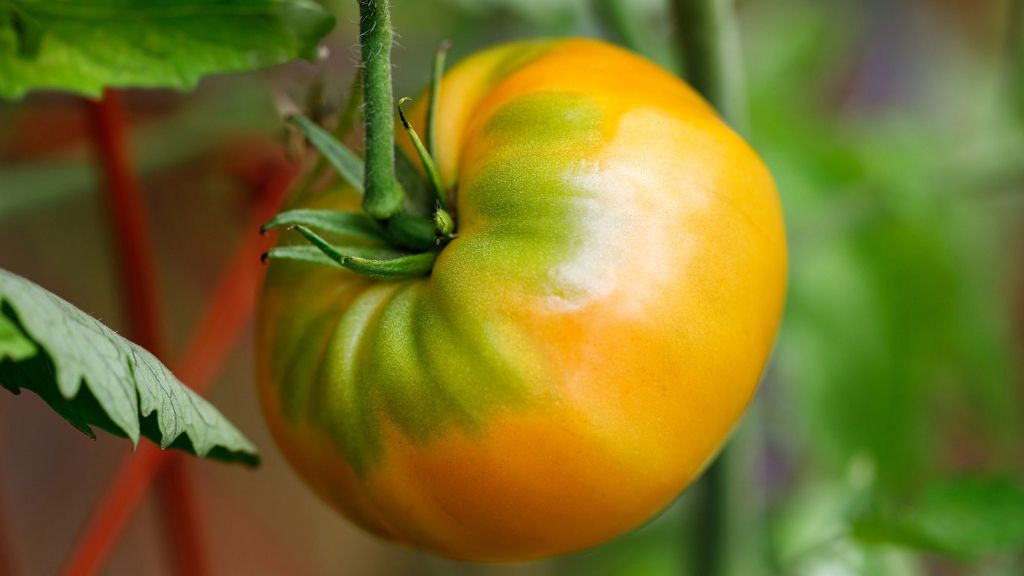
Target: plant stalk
[
  {"x": 711, "y": 520},
  {"x": 616, "y": 17},
  {"x": 223, "y": 320},
  {"x": 709, "y": 40},
  {"x": 132, "y": 243},
  {"x": 182, "y": 518},
  {"x": 384, "y": 196},
  {"x": 7, "y": 560},
  {"x": 142, "y": 306},
  {"x": 1016, "y": 57}
]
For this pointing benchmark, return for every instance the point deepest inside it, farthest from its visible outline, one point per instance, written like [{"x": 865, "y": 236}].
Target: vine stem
[
  {"x": 383, "y": 196},
  {"x": 7, "y": 559},
  {"x": 711, "y": 519},
  {"x": 131, "y": 232},
  {"x": 1016, "y": 56},
  {"x": 223, "y": 320},
  {"x": 615, "y": 16},
  {"x": 709, "y": 40},
  {"x": 182, "y": 517},
  {"x": 138, "y": 281}
]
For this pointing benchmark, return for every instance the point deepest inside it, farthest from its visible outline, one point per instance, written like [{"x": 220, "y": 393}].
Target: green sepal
[
  {"x": 345, "y": 161},
  {"x": 435, "y": 96},
  {"x": 412, "y": 266},
  {"x": 397, "y": 268},
  {"x": 314, "y": 255},
  {"x": 429, "y": 166},
  {"x": 350, "y": 224}
]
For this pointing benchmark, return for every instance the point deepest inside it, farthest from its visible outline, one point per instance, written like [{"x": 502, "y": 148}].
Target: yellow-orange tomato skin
[{"x": 596, "y": 330}]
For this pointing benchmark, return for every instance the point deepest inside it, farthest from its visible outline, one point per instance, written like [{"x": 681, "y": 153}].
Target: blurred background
[{"x": 895, "y": 130}]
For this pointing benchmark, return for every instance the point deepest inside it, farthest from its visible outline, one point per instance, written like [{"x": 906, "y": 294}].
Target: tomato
[{"x": 581, "y": 349}]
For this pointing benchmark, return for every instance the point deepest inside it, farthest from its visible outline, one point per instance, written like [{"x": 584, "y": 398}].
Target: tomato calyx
[
  {"x": 399, "y": 247},
  {"x": 402, "y": 243}
]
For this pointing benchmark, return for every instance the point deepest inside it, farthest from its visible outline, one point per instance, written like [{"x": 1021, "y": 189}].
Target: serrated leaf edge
[{"x": 169, "y": 422}]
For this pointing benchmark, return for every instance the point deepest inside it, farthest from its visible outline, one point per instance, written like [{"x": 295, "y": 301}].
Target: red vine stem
[
  {"x": 181, "y": 513},
  {"x": 139, "y": 288},
  {"x": 124, "y": 201},
  {"x": 225, "y": 316},
  {"x": 7, "y": 561}
]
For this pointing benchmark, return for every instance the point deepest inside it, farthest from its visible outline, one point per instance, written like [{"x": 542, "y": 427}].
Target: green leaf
[
  {"x": 93, "y": 377},
  {"x": 965, "y": 517},
  {"x": 84, "y": 46},
  {"x": 13, "y": 344}
]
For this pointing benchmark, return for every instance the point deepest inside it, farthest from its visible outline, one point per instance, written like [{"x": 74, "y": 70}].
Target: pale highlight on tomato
[{"x": 580, "y": 351}]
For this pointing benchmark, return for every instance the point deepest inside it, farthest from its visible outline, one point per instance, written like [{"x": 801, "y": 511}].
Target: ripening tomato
[{"x": 579, "y": 352}]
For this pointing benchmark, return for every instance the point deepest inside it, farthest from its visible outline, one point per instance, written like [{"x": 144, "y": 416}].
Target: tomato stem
[
  {"x": 384, "y": 195},
  {"x": 384, "y": 198}
]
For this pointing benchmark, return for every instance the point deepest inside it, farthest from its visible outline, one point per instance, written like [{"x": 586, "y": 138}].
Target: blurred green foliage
[
  {"x": 901, "y": 178},
  {"x": 967, "y": 518}
]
